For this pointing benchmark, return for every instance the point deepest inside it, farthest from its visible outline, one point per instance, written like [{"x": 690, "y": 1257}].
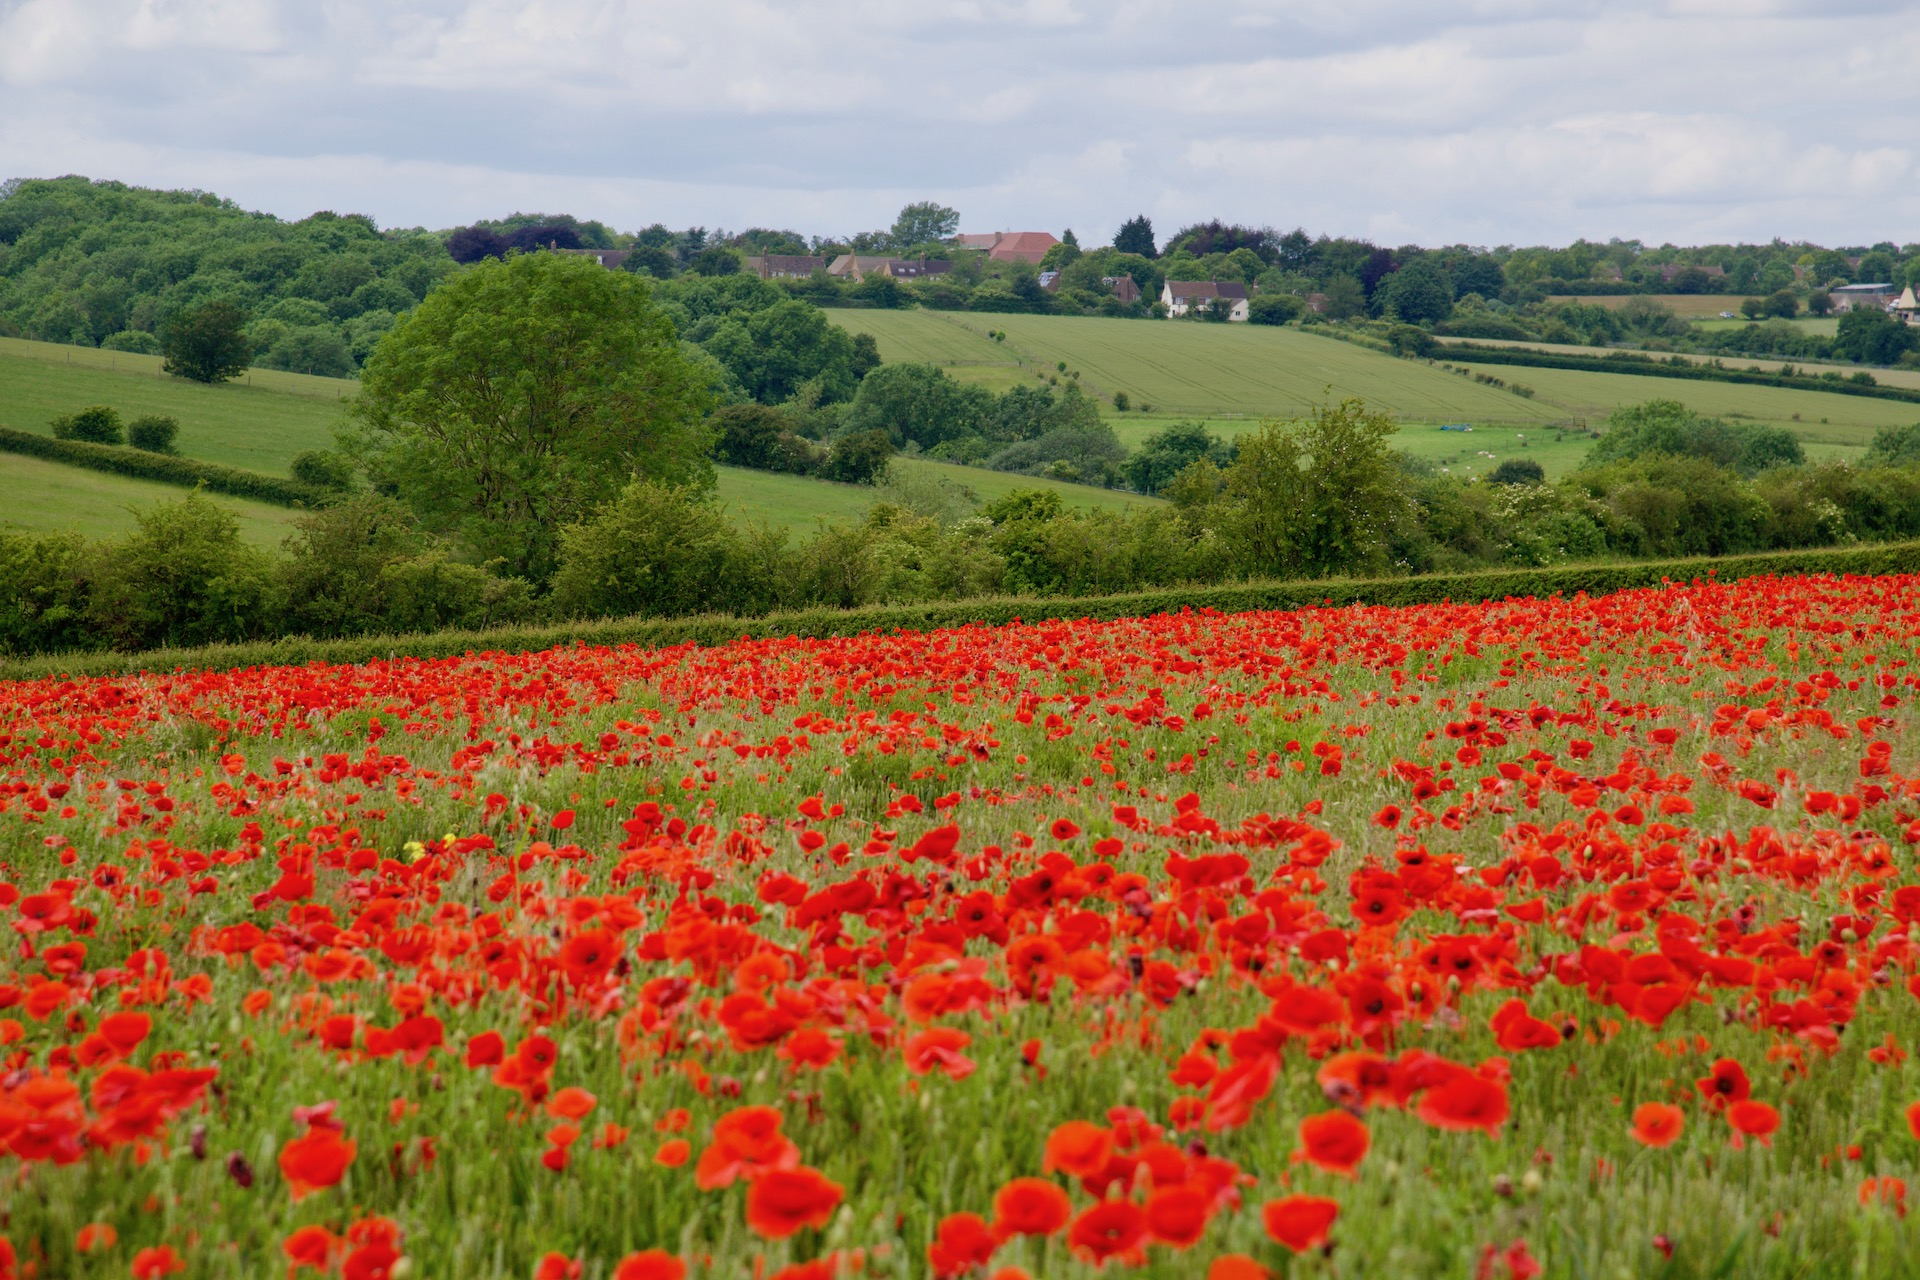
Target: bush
[
  {"x": 95, "y": 424},
  {"x": 335, "y": 557},
  {"x": 655, "y": 550},
  {"x": 860, "y": 457},
  {"x": 137, "y": 341},
  {"x": 1275, "y": 308},
  {"x": 1894, "y": 447},
  {"x": 45, "y": 583},
  {"x": 154, "y": 432},
  {"x": 165, "y": 468},
  {"x": 322, "y": 469},
  {"x": 432, "y": 592},
  {"x": 1518, "y": 471},
  {"x": 183, "y": 578}
]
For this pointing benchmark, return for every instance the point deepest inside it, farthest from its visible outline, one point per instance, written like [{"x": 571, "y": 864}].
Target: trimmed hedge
[
  {"x": 1675, "y": 367},
  {"x": 1592, "y": 579},
  {"x": 166, "y": 468}
]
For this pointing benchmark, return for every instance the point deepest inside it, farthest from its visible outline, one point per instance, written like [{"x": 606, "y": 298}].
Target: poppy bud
[
  {"x": 197, "y": 1142},
  {"x": 239, "y": 1170},
  {"x": 1503, "y": 1185}
]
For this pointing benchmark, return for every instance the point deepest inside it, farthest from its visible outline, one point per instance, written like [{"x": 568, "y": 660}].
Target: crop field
[
  {"x": 1688, "y": 306},
  {"x": 51, "y": 497},
  {"x": 800, "y": 503},
  {"x": 1197, "y": 370},
  {"x": 1829, "y": 425},
  {"x": 258, "y": 422},
  {"x": 1562, "y": 937}
]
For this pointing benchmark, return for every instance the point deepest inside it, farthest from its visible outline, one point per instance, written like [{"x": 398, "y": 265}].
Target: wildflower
[
  {"x": 781, "y": 1201},
  {"x": 1110, "y": 1230},
  {"x": 1333, "y": 1141},
  {"x": 1754, "y": 1119},
  {"x": 1300, "y": 1222},
  {"x": 1030, "y": 1207},
  {"x": 652, "y": 1264},
  {"x": 1657, "y": 1124}
]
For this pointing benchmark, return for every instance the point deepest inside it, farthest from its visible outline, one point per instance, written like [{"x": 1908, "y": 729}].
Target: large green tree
[
  {"x": 207, "y": 343},
  {"x": 523, "y": 394},
  {"x": 924, "y": 222}
]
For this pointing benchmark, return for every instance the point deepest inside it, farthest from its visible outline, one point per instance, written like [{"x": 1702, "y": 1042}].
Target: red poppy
[
  {"x": 1077, "y": 1148},
  {"x": 1237, "y": 1266},
  {"x": 1300, "y": 1222},
  {"x": 151, "y": 1264},
  {"x": 1754, "y": 1119},
  {"x": 653, "y": 1264},
  {"x": 95, "y": 1237},
  {"x": 961, "y": 1243},
  {"x": 1913, "y": 1119},
  {"x": 1888, "y": 1191},
  {"x": 1112, "y": 1229},
  {"x": 316, "y": 1160},
  {"x": 1657, "y": 1124},
  {"x": 1030, "y": 1207},
  {"x": 1725, "y": 1083},
  {"x": 939, "y": 1049},
  {"x": 1467, "y": 1101},
  {"x": 557, "y": 1266},
  {"x": 311, "y": 1247},
  {"x": 1334, "y": 1141},
  {"x": 1178, "y": 1215},
  {"x": 782, "y": 1201}
]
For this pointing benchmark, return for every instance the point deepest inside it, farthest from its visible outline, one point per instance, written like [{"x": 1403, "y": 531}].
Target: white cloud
[{"x": 1481, "y": 120}]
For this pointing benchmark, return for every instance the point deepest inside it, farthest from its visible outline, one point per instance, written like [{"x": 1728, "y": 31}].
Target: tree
[
  {"x": 183, "y": 578},
  {"x": 1752, "y": 308},
  {"x": 1782, "y": 303},
  {"x": 1518, "y": 471},
  {"x": 1868, "y": 335},
  {"x": 775, "y": 351},
  {"x": 544, "y": 235},
  {"x": 923, "y": 222},
  {"x": 860, "y": 457},
  {"x": 1167, "y": 452},
  {"x": 1819, "y": 303},
  {"x": 1345, "y": 297},
  {"x": 1314, "y": 497},
  {"x": 521, "y": 395},
  {"x": 207, "y": 343},
  {"x": 917, "y": 403},
  {"x": 470, "y": 244},
  {"x": 1417, "y": 293},
  {"x": 95, "y": 424},
  {"x": 747, "y": 435},
  {"x": 1136, "y": 236},
  {"x": 153, "y": 432},
  {"x": 716, "y": 262},
  {"x": 322, "y": 352},
  {"x": 655, "y": 549}
]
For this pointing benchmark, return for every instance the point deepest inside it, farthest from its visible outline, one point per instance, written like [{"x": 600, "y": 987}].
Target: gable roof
[{"x": 1180, "y": 290}]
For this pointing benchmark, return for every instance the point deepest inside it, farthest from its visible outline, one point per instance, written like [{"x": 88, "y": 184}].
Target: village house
[
  {"x": 1905, "y": 307},
  {"x": 784, "y": 266},
  {"x": 1011, "y": 246},
  {"x": 1184, "y": 297},
  {"x": 1122, "y": 287},
  {"x": 860, "y": 266}
]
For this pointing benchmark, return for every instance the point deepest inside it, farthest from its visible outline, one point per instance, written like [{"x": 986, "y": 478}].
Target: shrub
[
  {"x": 45, "y": 583},
  {"x": 655, "y": 550},
  {"x": 322, "y": 469},
  {"x": 860, "y": 457},
  {"x": 166, "y": 468},
  {"x": 183, "y": 578},
  {"x": 95, "y": 424},
  {"x": 137, "y": 341},
  {"x": 433, "y": 592},
  {"x": 1275, "y": 308},
  {"x": 153, "y": 432},
  {"x": 334, "y": 561},
  {"x": 1518, "y": 471}
]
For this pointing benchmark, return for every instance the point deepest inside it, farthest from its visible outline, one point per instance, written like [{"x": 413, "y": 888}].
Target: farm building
[
  {"x": 860, "y": 266},
  {"x": 1184, "y": 297},
  {"x": 1848, "y": 296},
  {"x": 1905, "y": 307}
]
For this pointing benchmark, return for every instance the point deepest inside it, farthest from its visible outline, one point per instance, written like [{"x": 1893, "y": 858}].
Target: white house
[{"x": 1184, "y": 297}]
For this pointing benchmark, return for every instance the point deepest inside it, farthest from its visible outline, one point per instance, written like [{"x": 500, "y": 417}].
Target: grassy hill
[
  {"x": 260, "y": 421},
  {"x": 1232, "y": 375},
  {"x": 51, "y": 497}
]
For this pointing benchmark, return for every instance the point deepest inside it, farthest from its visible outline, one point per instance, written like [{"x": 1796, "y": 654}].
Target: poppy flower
[
  {"x": 1300, "y": 1222},
  {"x": 1725, "y": 1083},
  {"x": 316, "y": 1160},
  {"x": 1334, "y": 1141},
  {"x": 782, "y": 1201},
  {"x": 1078, "y": 1148},
  {"x": 557, "y": 1266},
  {"x": 151, "y": 1264},
  {"x": 1467, "y": 1101},
  {"x": 938, "y": 1049},
  {"x": 673, "y": 1153},
  {"x": 1178, "y": 1215},
  {"x": 1888, "y": 1191},
  {"x": 1064, "y": 829},
  {"x": 1754, "y": 1119},
  {"x": 1112, "y": 1229},
  {"x": 571, "y": 1103},
  {"x": 652, "y": 1264},
  {"x": 1237, "y": 1266},
  {"x": 1913, "y": 1119},
  {"x": 311, "y": 1247},
  {"x": 1657, "y": 1124},
  {"x": 488, "y": 1049},
  {"x": 961, "y": 1243},
  {"x": 1030, "y": 1207},
  {"x": 95, "y": 1237}
]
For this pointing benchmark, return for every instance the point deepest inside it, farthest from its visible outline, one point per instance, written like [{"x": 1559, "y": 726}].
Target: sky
[{"x": 1482, "y": 122}]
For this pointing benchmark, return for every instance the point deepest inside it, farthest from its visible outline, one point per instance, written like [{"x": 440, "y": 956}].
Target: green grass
[
  {"x": 260, "y": 421},
  {"x": 800, "y": 503},
  {"x": 50, "y": 497},
  {"x": 1184, "y": 369}
]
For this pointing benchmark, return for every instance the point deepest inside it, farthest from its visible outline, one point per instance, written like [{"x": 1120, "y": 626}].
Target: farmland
[
  {"x": 1452, "y": 940},
  {"x": 50, "y": 497},
  {"x": 259, "y": 422}
]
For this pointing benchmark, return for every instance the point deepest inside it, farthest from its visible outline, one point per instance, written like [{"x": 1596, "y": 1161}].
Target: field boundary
[
  {"x": 167, "y": 468},
  {"x": 1633, "y": 362},
  {"x": 709, "y": 630}
]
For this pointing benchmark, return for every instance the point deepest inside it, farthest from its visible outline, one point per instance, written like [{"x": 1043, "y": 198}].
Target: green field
[
  {"x": 259, "y": 421},
  {"x": 1193, "y": 370},
  {"x": 50, "y": 497},
  {"x": 799, "y": 504}
]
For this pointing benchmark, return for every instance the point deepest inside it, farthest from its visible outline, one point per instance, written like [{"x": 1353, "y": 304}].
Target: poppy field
[{"x": 1562, "y": 937}]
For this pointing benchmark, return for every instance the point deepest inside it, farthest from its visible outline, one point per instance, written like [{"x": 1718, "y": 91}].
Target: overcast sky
[{"x": 1429, "y": 121}]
